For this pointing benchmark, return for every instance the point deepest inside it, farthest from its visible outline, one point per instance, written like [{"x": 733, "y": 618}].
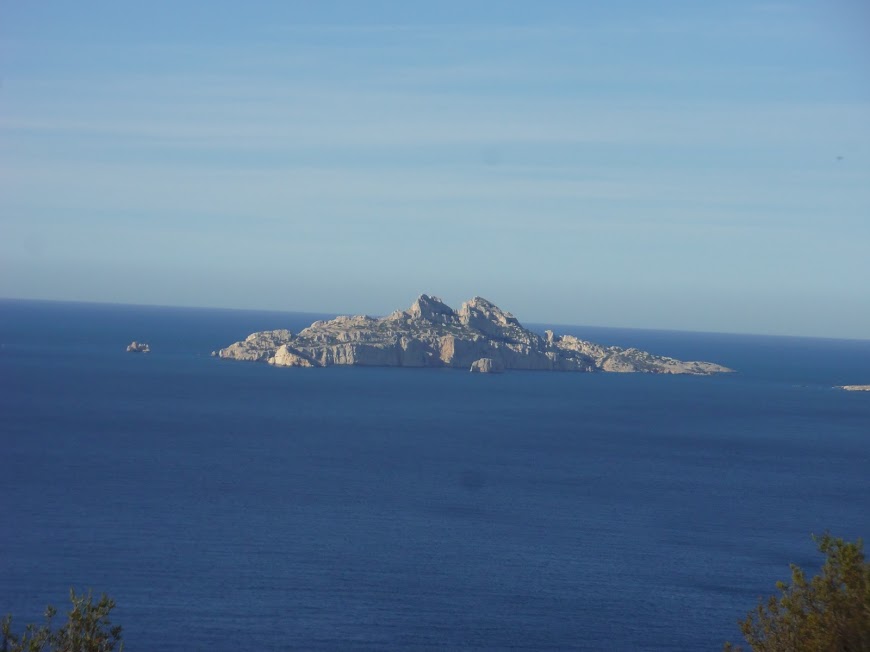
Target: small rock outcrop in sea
[
  {"x": 486, "y": 366},
  {"x": 855, "y": 388},
  {"x": 138, "y": 347},
  {"x": 432, "y": 334}
]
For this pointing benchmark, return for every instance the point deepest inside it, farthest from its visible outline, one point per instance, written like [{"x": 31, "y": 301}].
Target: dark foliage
[
  {"x": 87, "y": 629},
  {"x": 827, "y": 613}
]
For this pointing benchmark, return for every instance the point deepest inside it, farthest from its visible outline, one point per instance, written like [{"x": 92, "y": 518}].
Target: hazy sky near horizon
[{"x": 684, "y": 165}]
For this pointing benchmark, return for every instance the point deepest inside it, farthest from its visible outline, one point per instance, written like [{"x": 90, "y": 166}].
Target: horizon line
[{"x": 525, "y": 324}]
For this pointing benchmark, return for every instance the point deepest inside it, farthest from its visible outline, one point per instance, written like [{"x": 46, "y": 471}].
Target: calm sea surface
[{"x": 235, "y": 506}]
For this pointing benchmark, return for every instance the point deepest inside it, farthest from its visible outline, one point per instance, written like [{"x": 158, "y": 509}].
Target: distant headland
[{"x": 479, "y": 337}]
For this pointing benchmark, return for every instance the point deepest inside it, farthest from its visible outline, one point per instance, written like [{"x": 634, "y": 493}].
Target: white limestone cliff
[
  {"x": 431, "y": 334},
  {"x": 486, "y": 366}
]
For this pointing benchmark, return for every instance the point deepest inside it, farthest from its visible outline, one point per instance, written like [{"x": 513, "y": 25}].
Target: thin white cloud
[
  {"x": 312, "y": 116},
  {"x": 470, "y": 194}
]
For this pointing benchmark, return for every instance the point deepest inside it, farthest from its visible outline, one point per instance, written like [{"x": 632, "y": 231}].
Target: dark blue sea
[{"x": 234, "y": 506}]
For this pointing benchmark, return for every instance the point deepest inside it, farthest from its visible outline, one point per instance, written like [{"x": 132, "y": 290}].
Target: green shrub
[
  {"x": 87, "y": 629},
  {"x": 828, "y": 613}
]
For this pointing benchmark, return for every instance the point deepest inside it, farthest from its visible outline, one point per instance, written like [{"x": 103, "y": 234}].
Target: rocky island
[
  {"x": 138, "y": 347},
  {"x": 479, "y": 337}
]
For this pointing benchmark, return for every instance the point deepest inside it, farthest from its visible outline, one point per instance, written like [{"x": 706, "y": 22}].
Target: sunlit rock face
[
  {"x": 479, "y": 336},
  {"x": 486, "y": 366}
]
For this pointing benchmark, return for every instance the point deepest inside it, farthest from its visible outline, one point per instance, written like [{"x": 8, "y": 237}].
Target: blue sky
[{"x": 657, "y": 165}]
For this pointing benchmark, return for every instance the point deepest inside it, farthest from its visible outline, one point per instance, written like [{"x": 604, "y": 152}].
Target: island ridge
[{"x": 432, "y": 334}]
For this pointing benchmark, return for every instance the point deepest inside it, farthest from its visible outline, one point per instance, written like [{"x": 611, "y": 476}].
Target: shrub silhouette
[
  {"x": 87, "y": 629},
  {"x": 827, "y": 613}
]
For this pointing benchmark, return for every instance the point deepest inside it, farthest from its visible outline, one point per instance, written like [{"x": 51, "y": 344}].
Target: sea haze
[{"x": 229, "y": 505}]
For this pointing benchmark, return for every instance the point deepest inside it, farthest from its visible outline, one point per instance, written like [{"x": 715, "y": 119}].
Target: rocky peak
[
  {"x": 431, "y": 309},
  {"x": 481, "y": 308}
]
